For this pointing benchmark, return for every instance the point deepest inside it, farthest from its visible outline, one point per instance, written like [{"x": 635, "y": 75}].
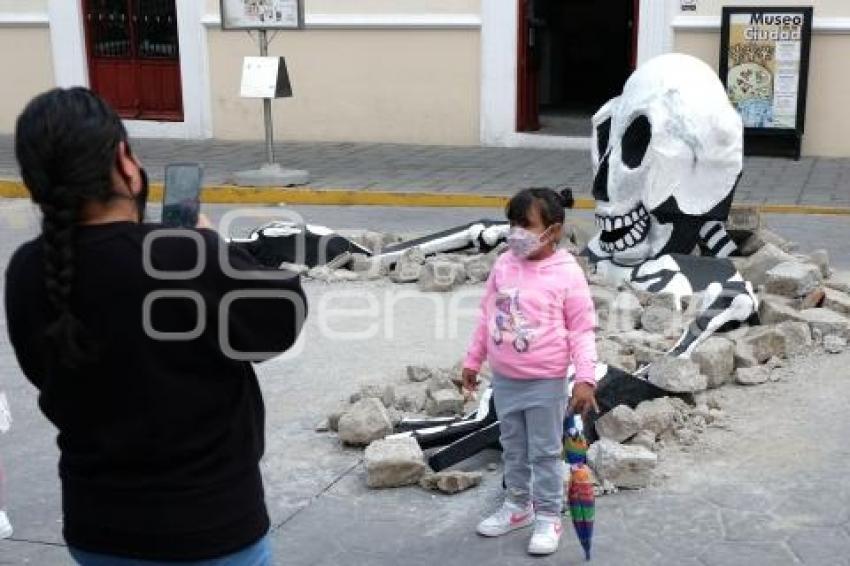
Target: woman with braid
[{"x": 159, "y": 413}]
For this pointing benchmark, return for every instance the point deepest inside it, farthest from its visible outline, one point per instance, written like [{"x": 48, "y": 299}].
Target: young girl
[{"x": 537, "y": 317}]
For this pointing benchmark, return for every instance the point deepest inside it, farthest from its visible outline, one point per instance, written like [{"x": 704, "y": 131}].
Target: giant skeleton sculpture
[{"x": 667, "y": 156}]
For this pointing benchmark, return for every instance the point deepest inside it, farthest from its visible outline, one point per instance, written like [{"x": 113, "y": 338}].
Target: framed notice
[
  {"x": 262, "y": 14},
  {"x": 764, "y": 64}
]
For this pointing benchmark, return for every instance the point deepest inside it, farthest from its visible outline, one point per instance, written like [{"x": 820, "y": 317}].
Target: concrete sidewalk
[{"x": 477, "y": 170}]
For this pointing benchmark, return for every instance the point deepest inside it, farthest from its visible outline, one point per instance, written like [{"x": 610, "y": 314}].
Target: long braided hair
[{"x": 66, "y": 143}]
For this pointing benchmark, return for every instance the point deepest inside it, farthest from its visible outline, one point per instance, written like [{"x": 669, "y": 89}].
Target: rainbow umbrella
[{"x": 580, "y": 498}]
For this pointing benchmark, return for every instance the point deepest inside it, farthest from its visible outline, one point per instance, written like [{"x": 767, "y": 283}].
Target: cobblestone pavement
[
  {"x": 768, "y": 488},
  {"x": 810, "y": 181}
]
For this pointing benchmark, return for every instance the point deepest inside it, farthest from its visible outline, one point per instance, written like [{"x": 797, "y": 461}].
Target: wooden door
[
  {"x": 134, "y": 57},
  {"x": 528, "y": 98}
]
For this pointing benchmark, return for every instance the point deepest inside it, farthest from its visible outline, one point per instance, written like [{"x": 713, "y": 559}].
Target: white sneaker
[
  {"x": 508, "y": 518},
  {"x": 547, "y": 534},
  {"x": 5, "y": 525}
]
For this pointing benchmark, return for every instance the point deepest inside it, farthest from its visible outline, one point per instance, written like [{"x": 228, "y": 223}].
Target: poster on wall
[
  {"x": 764, "y": 63},
  {"x": 262, "y": 14}
]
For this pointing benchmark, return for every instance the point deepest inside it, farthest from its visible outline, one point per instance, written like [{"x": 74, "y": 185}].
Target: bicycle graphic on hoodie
[{"x": 509, "y": 318}]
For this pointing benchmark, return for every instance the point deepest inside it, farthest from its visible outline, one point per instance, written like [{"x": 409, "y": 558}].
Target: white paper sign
[
  {"x": 259, "y": 77},
  {"x": 261, "y": 14}
]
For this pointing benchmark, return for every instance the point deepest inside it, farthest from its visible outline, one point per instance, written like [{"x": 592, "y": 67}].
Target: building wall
[
  {"x": 827, "y": 114},
  {"x": 359, "y": 84},
  {"x": 823, "y": 8},
  {"x": 381, "y": 6},
  {"x": 22, "y": 40}
]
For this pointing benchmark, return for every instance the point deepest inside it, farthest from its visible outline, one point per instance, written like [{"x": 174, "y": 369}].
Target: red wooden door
[
  {"x": 134, "y": 57},
  {"x": 528, "y": 99}
]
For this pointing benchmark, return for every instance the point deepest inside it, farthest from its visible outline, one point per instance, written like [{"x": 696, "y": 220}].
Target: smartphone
[{"x": 181, "y": 199}]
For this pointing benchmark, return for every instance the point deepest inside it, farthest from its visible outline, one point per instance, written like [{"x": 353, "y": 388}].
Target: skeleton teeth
[
  {"x": 629, "y": 240},
  {"x": 609, "y": 226},
  {"x": 620, "y": 245},
  {"x": 627, "y": 221},
  {"x": 635, "y": 234},
  {"x": 618, "y": 223}
]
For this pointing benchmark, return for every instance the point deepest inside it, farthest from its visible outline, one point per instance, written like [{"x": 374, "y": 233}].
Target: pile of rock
[
  {"x": 370, "y": 414},
  {"x": 442, "y": 272},
  {"x": 801, "y": 310}
]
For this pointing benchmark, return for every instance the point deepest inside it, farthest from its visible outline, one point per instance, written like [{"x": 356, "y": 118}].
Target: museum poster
[
  {"x": 261, "y": 14},
  {"x": 764, "y": 63}
]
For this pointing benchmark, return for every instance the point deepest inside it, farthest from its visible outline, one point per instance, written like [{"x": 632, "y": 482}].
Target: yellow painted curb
[{"x": 228, "y": 194}]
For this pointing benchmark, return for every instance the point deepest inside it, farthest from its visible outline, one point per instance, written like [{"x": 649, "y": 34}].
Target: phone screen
[{"x": 181, "y": 200}]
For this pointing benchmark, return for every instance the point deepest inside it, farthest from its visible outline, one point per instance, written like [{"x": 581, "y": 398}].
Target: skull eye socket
[
  {"x": 636, "y": 141},
  {"x": 603, "y": 135}
]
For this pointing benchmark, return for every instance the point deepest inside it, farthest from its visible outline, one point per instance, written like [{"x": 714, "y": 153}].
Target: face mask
[
  {"x": 142, "y": 198},
  {"x": 523, "y": 243}
]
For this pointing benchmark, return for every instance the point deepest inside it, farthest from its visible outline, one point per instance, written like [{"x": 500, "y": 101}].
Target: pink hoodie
[{"x": 537, "y": 317}]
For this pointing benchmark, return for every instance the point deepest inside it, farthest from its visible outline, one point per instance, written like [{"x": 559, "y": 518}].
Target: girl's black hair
[
  {"x": 66, "y": 143},
  {"x": 550, "y": 204}
]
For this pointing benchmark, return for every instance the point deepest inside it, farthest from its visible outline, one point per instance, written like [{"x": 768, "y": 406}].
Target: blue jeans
[{"x": 258, "y": 554}]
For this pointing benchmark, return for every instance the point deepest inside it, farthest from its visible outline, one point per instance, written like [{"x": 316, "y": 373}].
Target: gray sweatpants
[{"x": 531, "y": 419}]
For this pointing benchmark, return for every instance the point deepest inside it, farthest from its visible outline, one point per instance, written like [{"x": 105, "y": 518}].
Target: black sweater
[{"x": 160, "y": 440}]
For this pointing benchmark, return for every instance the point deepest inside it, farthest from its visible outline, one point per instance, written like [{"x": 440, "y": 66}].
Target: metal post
[{"x": 267, "y": 105}]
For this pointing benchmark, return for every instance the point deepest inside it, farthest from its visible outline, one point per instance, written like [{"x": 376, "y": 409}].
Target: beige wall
[
  {"x": 23, "y": 6},
  {"x": 827, "y": 116},
  {"x": 23, "y": 80},
  {"x": 381, "y": 6},
  {"x": 408, "y": 86},
  {"x": 823, "y": 8}
]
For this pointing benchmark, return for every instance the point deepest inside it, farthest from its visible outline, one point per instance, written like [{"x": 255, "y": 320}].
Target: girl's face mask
[{"x": 525, "y": 243}]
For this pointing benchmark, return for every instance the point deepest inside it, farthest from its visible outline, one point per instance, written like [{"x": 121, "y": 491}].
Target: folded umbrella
[{"x": 581, "y": 501}]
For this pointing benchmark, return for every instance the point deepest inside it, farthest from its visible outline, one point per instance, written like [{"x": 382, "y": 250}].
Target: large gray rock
[
  {"x": 619, "y": 424},
  {"x": 452, "y": 481},
  {"x": 716, "y": 360},
  {"x": 394, "y": 462},
  {"x": 444, "y": 403},
  {"x": 826, "y": 322},
  {"x": 409, "y": 266},
  {"x": 478, "y": 268},
  {"x": 677, "y": 375},
  {"x": 411, "y": 397},
  {"x": 627, "y": 467},
  {"x": 837, "y": 301},
  {"x": 625, "y": 312},
  {"x": 763, "y": 343},
  {"x": 752, "y": 376},
  {"x": 645, "y": 438},
  {"x": 744, "y": 218},
  {"x": 754, "y": 269},
  {"x": 366, "y": 421},
  {"x": 615, "y": 354},
  {"x": 661, "y": 320},
  {"x": 336, "y": 414},
  {"x": 385, "y": 393},
  {"x": 419, "y": 373},
  {"x": 797, "y": 335},
  {"x": 792, "y": 279},
  {"x": 658, "y": 415},
  {"x": 441, "y": 276},
  {"x": 774, "y": 309}
]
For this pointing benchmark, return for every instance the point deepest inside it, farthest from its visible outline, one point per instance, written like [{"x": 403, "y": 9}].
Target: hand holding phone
[{"x": 181, "y": 199}]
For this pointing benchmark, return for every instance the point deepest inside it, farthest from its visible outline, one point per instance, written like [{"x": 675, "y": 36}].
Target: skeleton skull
[{"x": 667, "y": 155}]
